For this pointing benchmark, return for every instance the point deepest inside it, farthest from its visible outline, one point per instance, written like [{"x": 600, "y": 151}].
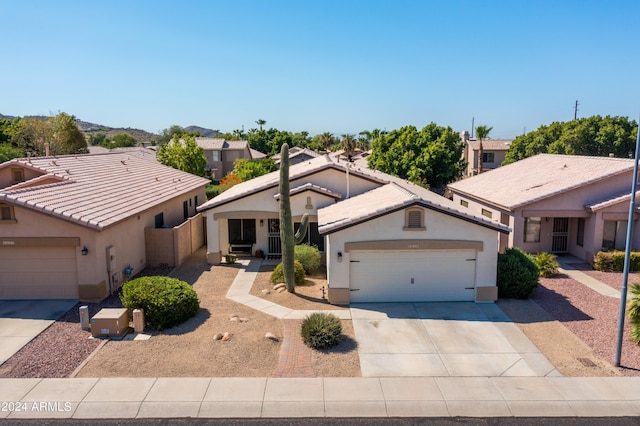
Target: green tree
[
  {"x": 349, "y": 142},
  {"x": 327, "y": 140},
  {"x": 60, "y": 132},
  {"x": 99, "y": 138},
  {"x": 122, "y": 140},
  {"x": 9, "y": 152},
  {"x": 247, "y": 169},
  {"x": 183, "y": 155},
  {"x": 482, "y": 132},
  {"x": 431, "y": 156},
  {"x": 166, "y": 135},
  {"x": 594, "y": 136},
  {"x": 260, "y": 122}
]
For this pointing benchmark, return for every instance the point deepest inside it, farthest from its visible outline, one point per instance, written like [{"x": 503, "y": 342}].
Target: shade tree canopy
[
  {"x": 595, "y": 136},
  {"x": 183, "y": 154},
  {"x": 430, "y": 156}
]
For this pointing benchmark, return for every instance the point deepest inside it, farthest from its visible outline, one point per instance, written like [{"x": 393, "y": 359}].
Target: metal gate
[
  {"x": 560, "y": 236},
  {"x": 275, "y": 246}
]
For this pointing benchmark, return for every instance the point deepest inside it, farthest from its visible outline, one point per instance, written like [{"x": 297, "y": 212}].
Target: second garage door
[{"x": 412, "y": 276}]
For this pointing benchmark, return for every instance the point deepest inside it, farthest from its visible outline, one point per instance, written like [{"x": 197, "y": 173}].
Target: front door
[
  {"x": 560, "y": 236},
  {"x": 275, "y": 247}
]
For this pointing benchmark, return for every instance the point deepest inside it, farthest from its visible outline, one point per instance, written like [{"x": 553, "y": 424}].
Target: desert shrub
[
  {"x": 613, "y": 261},
  {"x": 321, "y": 330},
  {"x": 166, "y": 301},
  {"x": 277, "y": 276},
  {"x": 309, "y": 256},
  {"x": 230, "y": 258},
  {"x": 517, "y": 274},
  {"x": 633, "y": 312},
  {"x": 547, "y": 264}
]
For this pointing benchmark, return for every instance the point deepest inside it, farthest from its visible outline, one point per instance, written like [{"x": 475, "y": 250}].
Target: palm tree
[
  {"x": 481, "y": 133},
  {"x": 327, "y": 139},
  {"x": 348, "y": 143},
  {"x": 364, "y": 140},
  {"x": 260, "y": 122}
]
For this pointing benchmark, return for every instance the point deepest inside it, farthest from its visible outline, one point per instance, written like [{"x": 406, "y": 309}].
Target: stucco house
[
  {"x": 493, "y": 153},
  {"x": 384, "y": 239},
  {"x": 76, "y": 226},
  {"x": 221, "y": 154},
  {"x": 297, "y": 155},
  {"x": 564, "y": 204}
]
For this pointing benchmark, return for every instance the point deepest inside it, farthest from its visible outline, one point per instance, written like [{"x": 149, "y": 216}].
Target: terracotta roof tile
[
  {"x": 539, "y": 177},
  {"x": 99, "y": 190}
]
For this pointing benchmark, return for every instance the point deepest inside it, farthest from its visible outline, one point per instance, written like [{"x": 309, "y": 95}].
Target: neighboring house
[
  {"x": 493, "y": 153},
  {"x": 297, "y": 155},
  {"x": 222, "y": 153},
  {"x": 76, "y": 226},
  {"x": 146, "y": 152},
  {"x": 383, "y": 239},
  {"x": 555, "y": 203}
]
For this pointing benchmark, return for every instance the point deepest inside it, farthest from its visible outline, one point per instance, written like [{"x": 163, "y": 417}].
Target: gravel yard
[{"x": 572, "y": 325}]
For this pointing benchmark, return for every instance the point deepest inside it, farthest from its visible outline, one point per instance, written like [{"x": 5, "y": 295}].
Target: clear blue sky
[{"x": 341, "y": 66}]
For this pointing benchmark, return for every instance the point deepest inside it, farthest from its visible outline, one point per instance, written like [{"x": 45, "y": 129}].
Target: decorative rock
[
  {"x": 226, "y": 336},
  {"x": 265, "y": 292},
  {"x": 231, "y": 318},
  {"x": 244, "y": 319},
  {"x": 281, "y": 289},
  {"x": 279, "y": 286},
  {"x": 271, "y": 336},
  {"x": 217, "y": 337},
  {"x": 234, "y": 319}
]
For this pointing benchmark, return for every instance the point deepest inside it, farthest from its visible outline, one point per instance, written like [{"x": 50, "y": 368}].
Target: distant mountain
[{"x": 207, "y": 133}]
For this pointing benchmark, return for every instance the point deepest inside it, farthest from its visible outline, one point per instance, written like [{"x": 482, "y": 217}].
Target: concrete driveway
[
  {"x": 23, "y": 320},
  {"x": 443, "y": 339}
]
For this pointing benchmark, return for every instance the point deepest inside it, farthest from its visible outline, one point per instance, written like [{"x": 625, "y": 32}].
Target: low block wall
[{"x": 172, "y": 246}]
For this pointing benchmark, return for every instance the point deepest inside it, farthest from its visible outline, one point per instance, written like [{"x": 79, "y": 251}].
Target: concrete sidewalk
[{"x": 110, "y": 398}]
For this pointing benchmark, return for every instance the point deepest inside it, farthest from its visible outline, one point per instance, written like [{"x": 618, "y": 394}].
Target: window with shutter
[{"x": 17, "y": 175}]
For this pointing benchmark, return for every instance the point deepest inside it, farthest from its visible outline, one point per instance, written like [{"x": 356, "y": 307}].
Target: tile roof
[
  {"x": 539, "y": 177},
  {"x": 386, "y": 199},
  {"x": 490, "y": 144},
  {"x": 296, "y": 152},
  {"x": 311, "y": 187},
  {"x": 257, "y": 155},
  {"x": 97, "y": 190},
  {"x": 271, "y": 180},
  {"x": 619, "y": 198},
  {"x": 218, "y": 143}
]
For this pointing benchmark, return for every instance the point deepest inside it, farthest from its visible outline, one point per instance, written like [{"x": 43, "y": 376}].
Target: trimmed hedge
[
  {"x": 277, "y": 276},
  {"x": 321, "y": 330},
  {"x": 309, "y": 256},
  {"x": 166, "y": 301},
  {"x": 517, "y": 274},
  {"x": 633, "y": 312},
  {"x": 613, "y": 261}
]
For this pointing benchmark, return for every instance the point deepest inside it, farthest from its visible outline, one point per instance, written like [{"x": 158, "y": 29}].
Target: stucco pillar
[{"x": 214, "y": 256}]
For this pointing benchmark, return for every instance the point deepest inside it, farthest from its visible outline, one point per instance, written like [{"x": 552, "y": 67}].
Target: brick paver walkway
[{"x": 295, "y": 356}]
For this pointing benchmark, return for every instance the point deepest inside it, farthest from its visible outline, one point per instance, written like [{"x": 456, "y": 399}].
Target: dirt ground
[{"x": 190, "y": 349}]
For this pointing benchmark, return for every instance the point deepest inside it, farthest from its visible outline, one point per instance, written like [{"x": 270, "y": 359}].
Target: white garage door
[
  {"x": 38, "y": 273},
  {"x": 412, "y": 276}
]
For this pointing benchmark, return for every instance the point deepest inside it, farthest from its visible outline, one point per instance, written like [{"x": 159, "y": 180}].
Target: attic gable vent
[{"x": 414, "y": 220}]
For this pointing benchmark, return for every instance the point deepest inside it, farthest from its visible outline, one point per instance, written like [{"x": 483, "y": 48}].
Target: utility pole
[
  {"x": 575, "y": 111},
  {"x": 473, "y": 119}
]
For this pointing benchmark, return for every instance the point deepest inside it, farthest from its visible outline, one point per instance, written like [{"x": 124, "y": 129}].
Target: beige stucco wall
[
  {"x": 390, "y": 227},
  {"x": 127, "y": 237},
  {"x": 6, "y": 176}
]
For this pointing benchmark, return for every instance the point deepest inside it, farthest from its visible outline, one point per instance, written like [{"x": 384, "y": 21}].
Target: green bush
[
  {"x": 613, "y": 261},
  {"x": 321, "y": 330},
  {"x": 212, "y": 191},
  {"x": 309, "y": 256},
  {"x": 166, "y": 301},
  {"x": 633, "y": 312},
  {"x": 517, "y": 274},
  {"x": 547, "y": 264},
  {"x": 277, "y": 276}
]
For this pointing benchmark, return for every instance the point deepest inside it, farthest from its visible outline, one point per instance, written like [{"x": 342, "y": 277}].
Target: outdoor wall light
[
  {"x": 85, "y": 251},
  {"x": 339, "y": 256},
  {"x": 261, "y": 223}
]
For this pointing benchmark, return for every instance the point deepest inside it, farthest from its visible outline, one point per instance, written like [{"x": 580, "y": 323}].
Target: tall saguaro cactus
[{"x": 287, "y": 238}]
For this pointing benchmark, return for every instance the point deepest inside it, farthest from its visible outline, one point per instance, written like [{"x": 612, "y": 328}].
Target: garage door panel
[
  {"x": 38, "y": 273},
  {"x": 412, "y": 276}
]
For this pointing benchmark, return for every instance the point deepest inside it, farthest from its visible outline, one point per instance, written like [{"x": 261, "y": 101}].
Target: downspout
[{"x": 347, "y": 167}]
